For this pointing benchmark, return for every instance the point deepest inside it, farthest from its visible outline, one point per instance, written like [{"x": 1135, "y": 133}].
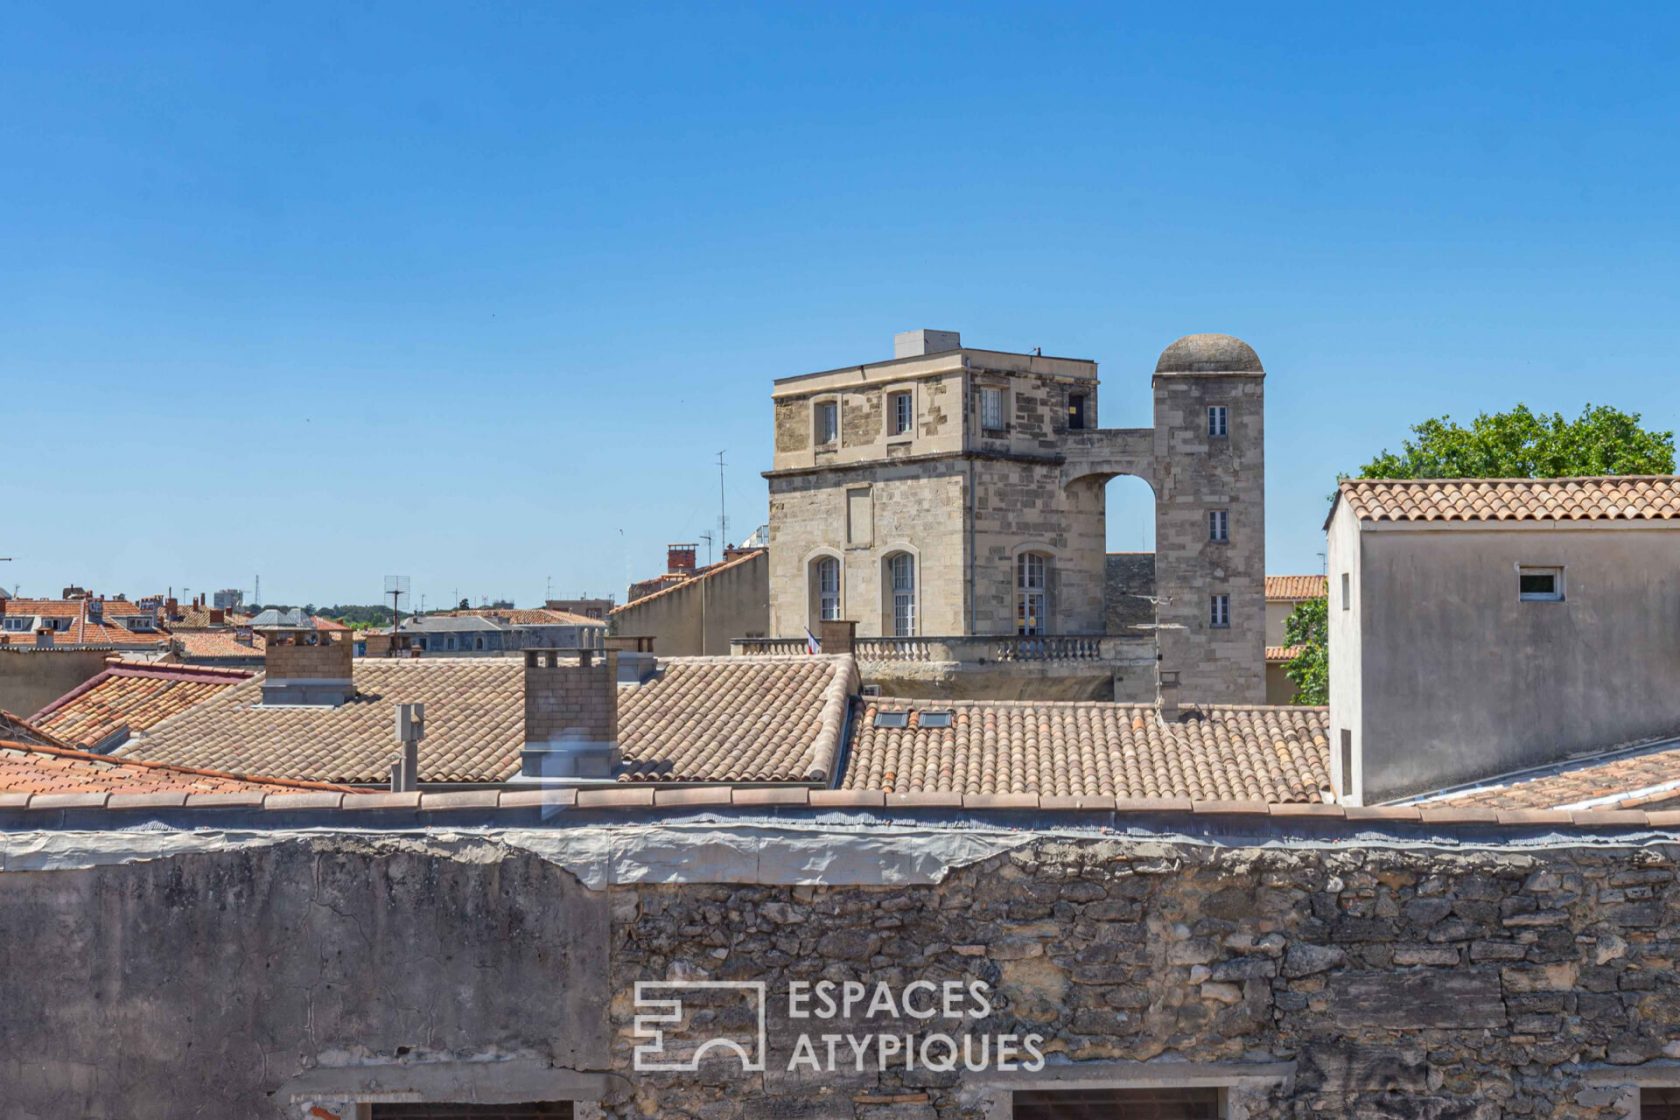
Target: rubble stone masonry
[{"x": 1388, "y": 980}]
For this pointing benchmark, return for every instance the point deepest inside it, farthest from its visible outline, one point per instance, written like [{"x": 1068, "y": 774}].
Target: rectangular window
[
  {"x": 828, "y": 422},
  {"x": 1219, "y": 525},
  {"x": 1659, "y": 1104},
  {"x": 1219, "y": 614},
  {"x": 992, "y": 411},
  {"x": 1347, "y": 763},
  {"x": 1032, "y": 583},
  {"x": 1347, "y": 592},
  {"x": 902, "y": 413},
  {"x": 1540, "y": 585},
  {"x": 1218, "y": 421},
  {"x": 828, "y": 589},
  {"x": 892, "y": 719},
  {"x": 1076, "y": 412},
  {"x": 934, "y": 719},
  {"x": 902, "y": 571},
  {"x": 1116, "y": 1104}
]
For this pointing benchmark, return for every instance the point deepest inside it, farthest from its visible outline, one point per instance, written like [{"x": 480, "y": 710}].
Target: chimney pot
[
  {"x": 305, "y": 666},
  {"x": 1166, "y": 694}
]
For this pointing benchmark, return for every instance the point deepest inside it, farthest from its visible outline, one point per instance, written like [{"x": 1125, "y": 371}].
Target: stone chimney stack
[
  {"x": 303, "y": 665},
  {"x": 571, "y": 714}
]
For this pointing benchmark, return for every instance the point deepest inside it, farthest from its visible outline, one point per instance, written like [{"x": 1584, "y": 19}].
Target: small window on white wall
[
  {"x": 1540, "y": 585},
  {"x": 1347, "y": 592}
]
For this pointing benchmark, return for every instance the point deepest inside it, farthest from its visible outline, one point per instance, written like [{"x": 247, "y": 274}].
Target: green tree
[
  {"x": 1516, "y": 444},
  {"x": 1308, "y": 626},
  {"x": 1523, "y": 444}
]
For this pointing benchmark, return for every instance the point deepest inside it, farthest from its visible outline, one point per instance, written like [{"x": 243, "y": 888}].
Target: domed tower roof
[{"x": 1209, "y": 353}]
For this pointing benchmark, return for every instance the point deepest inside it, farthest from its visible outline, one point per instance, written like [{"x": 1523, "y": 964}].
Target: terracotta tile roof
[
  {"x": 702, "y": 719},
  {"x": 1291, "y": 589},
  {"x": 674, "y": 582},
  {"x": 1627, "y": 778},
  {"x": 737, "y": 719},
  {"x": 129, "y": 698},
  {"x": 1609, "y": 498},
  {"x": 83, "y": 630},
  {"x": 1272, "y": 754},
  {"x": 30, "y": 768},
  {"x": 1283, "y": 653},
  {"x": 209, "y": 645},
  {"x": 525, "y": 616}
]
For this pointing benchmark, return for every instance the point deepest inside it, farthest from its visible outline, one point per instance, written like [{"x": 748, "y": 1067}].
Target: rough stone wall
[
  {"x": 1401, "y": 984},
  {"x": 1397, "y": 983},
  {"x": 1129, "y": 591}
]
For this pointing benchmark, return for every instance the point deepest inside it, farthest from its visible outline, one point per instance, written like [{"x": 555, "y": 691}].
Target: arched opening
[
  {"x": 1033, "y": 571},
  {"x": 1129, "y": 568},
  {"x": 898, "y": 595},
  {"x": 824, "y": 581}
]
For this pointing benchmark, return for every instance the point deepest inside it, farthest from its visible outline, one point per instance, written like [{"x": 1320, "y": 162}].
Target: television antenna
[
  {"x": 396, "y": 587},
  {"x": 707, "y": 537},
  {"x": 723, "y": 512}
]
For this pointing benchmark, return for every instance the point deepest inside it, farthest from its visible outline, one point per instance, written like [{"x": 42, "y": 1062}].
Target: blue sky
[{"x": 476, "y": 292}]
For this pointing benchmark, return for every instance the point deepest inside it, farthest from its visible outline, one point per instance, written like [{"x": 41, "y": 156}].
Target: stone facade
[
  {"x": 965, "y": 494},
  {"x": 1317, "y": 979}
]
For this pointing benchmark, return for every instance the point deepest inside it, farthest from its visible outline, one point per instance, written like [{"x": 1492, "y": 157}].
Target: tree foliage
[
  {"x": 1308, "y": 626},
  {"x": 1524, "y": 444}
]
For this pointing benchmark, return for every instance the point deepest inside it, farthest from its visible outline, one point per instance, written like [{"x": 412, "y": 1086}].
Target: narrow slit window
[
  {"x": 1347, "y": 592},
  {"x": 1540, "y": 585}
]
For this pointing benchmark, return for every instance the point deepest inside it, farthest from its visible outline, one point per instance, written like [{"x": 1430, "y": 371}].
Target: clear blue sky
[{"x": 475, "y": 292}]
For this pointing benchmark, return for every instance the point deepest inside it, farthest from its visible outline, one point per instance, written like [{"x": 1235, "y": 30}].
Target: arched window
[
  {"x": 1032, "y": 593},
  {"x": 825, "y": 588},
  {"x": 901, "y": 594},
  {"x": 479, "y": 643}
]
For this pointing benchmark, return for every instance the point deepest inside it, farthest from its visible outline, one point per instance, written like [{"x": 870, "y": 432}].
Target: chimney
[
  {"x": 96, "y": 609},
  {"x": 411, "y": 728},
  {"x": 679, "y": 559},
  {"x": 171, "y": 608},
  {"x": 837, "y": 635},
  {"x": 1166, "y": 694},
  {"x": 217, "y": 616},
  {"x": 571, "y": 714},
  {"x": 914, "y": 344},
  {"x": 636, "y": 667},
  {"x": 44, "y": 637},
  {"x": 305, "y": 666}
]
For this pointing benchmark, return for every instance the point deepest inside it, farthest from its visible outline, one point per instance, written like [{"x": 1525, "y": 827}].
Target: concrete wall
[
  {"x": 1460, "y": 679},
  {"x": 1313, "y": 982},
  {"x": 32, "y": 679},
  {"x": 703, "y": 615},
  {"x": 1347, "y": 622}
]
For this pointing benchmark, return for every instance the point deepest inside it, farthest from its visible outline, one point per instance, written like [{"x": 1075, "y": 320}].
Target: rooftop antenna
[
  {"x": 256, "y": 590},
  {"x": 397, "y": 588},
  {"x": 548, "y": 589},
  {"x": 723, "y": 513},
  {"x": 707, "y": 537}
]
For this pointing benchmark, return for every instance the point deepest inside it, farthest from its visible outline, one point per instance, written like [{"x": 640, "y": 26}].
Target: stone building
[
  {"x": 1481, "y": 626},
  {"x": 956, "y": 493}
]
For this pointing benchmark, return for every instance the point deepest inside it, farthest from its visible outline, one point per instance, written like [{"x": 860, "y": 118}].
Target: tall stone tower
[{"x": 953, "y": 492}]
